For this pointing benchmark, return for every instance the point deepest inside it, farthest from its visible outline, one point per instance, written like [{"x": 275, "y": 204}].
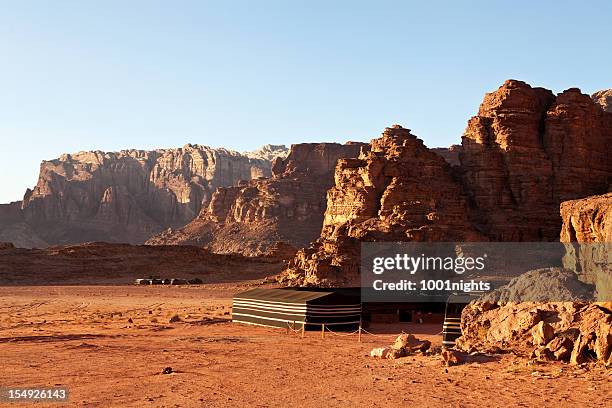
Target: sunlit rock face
[
  {"x": 253, "y": 217},
  {"x": 526, "y": 151},
  {"x": 397, "y": 190},
  {"x": 587, "y": 232},
  {"x": 126, "y": 196}
]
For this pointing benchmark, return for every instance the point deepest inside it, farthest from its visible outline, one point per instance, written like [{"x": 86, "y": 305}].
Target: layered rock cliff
[
  {"x": 525, "y": 152},
  {"x": 252, "y": 217},
  {"x": 126, "y": 196},
  {"x": 399, "y": 190}
]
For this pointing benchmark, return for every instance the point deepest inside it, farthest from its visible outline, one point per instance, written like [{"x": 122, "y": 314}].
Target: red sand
[{"x": 80, "y": 337}]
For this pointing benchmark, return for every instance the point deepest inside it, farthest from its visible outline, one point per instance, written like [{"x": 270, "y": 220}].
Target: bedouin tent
[{"x": 295, "y": 308}]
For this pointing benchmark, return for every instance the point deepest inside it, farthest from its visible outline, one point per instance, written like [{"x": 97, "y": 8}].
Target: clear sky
[{"x": 108, "y": 75}]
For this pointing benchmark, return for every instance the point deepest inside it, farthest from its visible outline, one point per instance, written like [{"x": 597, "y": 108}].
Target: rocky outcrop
[
  {"x": 252, "y": 217},
  {"x": 564, "y": 331},
  {"x": 126, "y": 196},
  {"x": 525, "y": 152},
  {"x": 603, "y": 99},
  {"x": 399, "y": 190},
  {"x": 587, "y": 220},
  {"x": 551, "y": 284},
  {"x": 587, "y": 232},
  {"x": 538, "y": 313}
]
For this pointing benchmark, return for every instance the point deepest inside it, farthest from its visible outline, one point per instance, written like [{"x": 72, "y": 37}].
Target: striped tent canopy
[{"x": 295, "y": 307}]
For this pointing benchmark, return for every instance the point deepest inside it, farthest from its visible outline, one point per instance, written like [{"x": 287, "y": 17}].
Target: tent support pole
[
  {"x": 323, "y": 330},
  {"x": 303, "y": 329}
]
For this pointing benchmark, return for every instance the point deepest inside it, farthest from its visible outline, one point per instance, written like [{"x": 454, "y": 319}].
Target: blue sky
[{"x": 145, "y": 74}]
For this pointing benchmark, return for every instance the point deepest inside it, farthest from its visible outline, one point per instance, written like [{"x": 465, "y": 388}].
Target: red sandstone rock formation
[
  {"x": 253, "y": 217},
  {"x": 587, "y": 220},
  {"x": 577, "y": 332},
  {"x": 564, "y": 331},
  {"x": 397, "y": 191},
  {"x": 525, "y": 152},
  {"x": 450, "y": 154},
  {"x": 126, "y": 196},
  {"x": 603, "y": 99},
  {"x": 587, "y": 230}
]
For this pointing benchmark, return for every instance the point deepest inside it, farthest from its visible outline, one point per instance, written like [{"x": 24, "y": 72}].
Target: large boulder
[{"x": 566, "y": 331}]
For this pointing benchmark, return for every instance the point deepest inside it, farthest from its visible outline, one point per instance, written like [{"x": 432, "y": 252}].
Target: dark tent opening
[{"x": 296, "y": 307}]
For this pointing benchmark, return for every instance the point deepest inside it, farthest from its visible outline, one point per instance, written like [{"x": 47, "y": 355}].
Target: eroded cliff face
[
  {"x": 15, "y": 230},
  {"x": 399, "y": 190},
  {"x": 587, "y": 232},
  {"x": 525, "y": 152},
  {"x": 252, "y": 217},
  {"x": 130, "y": 195}
]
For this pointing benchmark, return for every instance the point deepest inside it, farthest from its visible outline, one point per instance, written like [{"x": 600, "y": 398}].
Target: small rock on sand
[{"x": 452, "y": 357}]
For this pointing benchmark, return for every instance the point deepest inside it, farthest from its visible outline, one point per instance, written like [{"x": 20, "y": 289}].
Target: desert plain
[{"x": 109, "y": 344}]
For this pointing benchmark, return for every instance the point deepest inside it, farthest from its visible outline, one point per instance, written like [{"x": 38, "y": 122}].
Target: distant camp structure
[
  {"x": 168, "y": 281},
  {"x": 297, "y": 308}
]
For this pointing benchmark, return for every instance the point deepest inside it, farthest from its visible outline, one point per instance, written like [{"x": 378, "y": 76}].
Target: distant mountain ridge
[{"x": 125, "y": 196}]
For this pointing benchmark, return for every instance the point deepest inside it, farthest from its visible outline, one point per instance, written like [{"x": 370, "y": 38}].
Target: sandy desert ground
[{"x": 109, "y": 345}]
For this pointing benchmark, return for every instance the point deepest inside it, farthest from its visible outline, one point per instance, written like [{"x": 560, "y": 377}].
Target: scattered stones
[
  {"x": 380, "y": 352},
  {"x": 404, "y": 345},
  {"x": 561, "y": 347}
]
